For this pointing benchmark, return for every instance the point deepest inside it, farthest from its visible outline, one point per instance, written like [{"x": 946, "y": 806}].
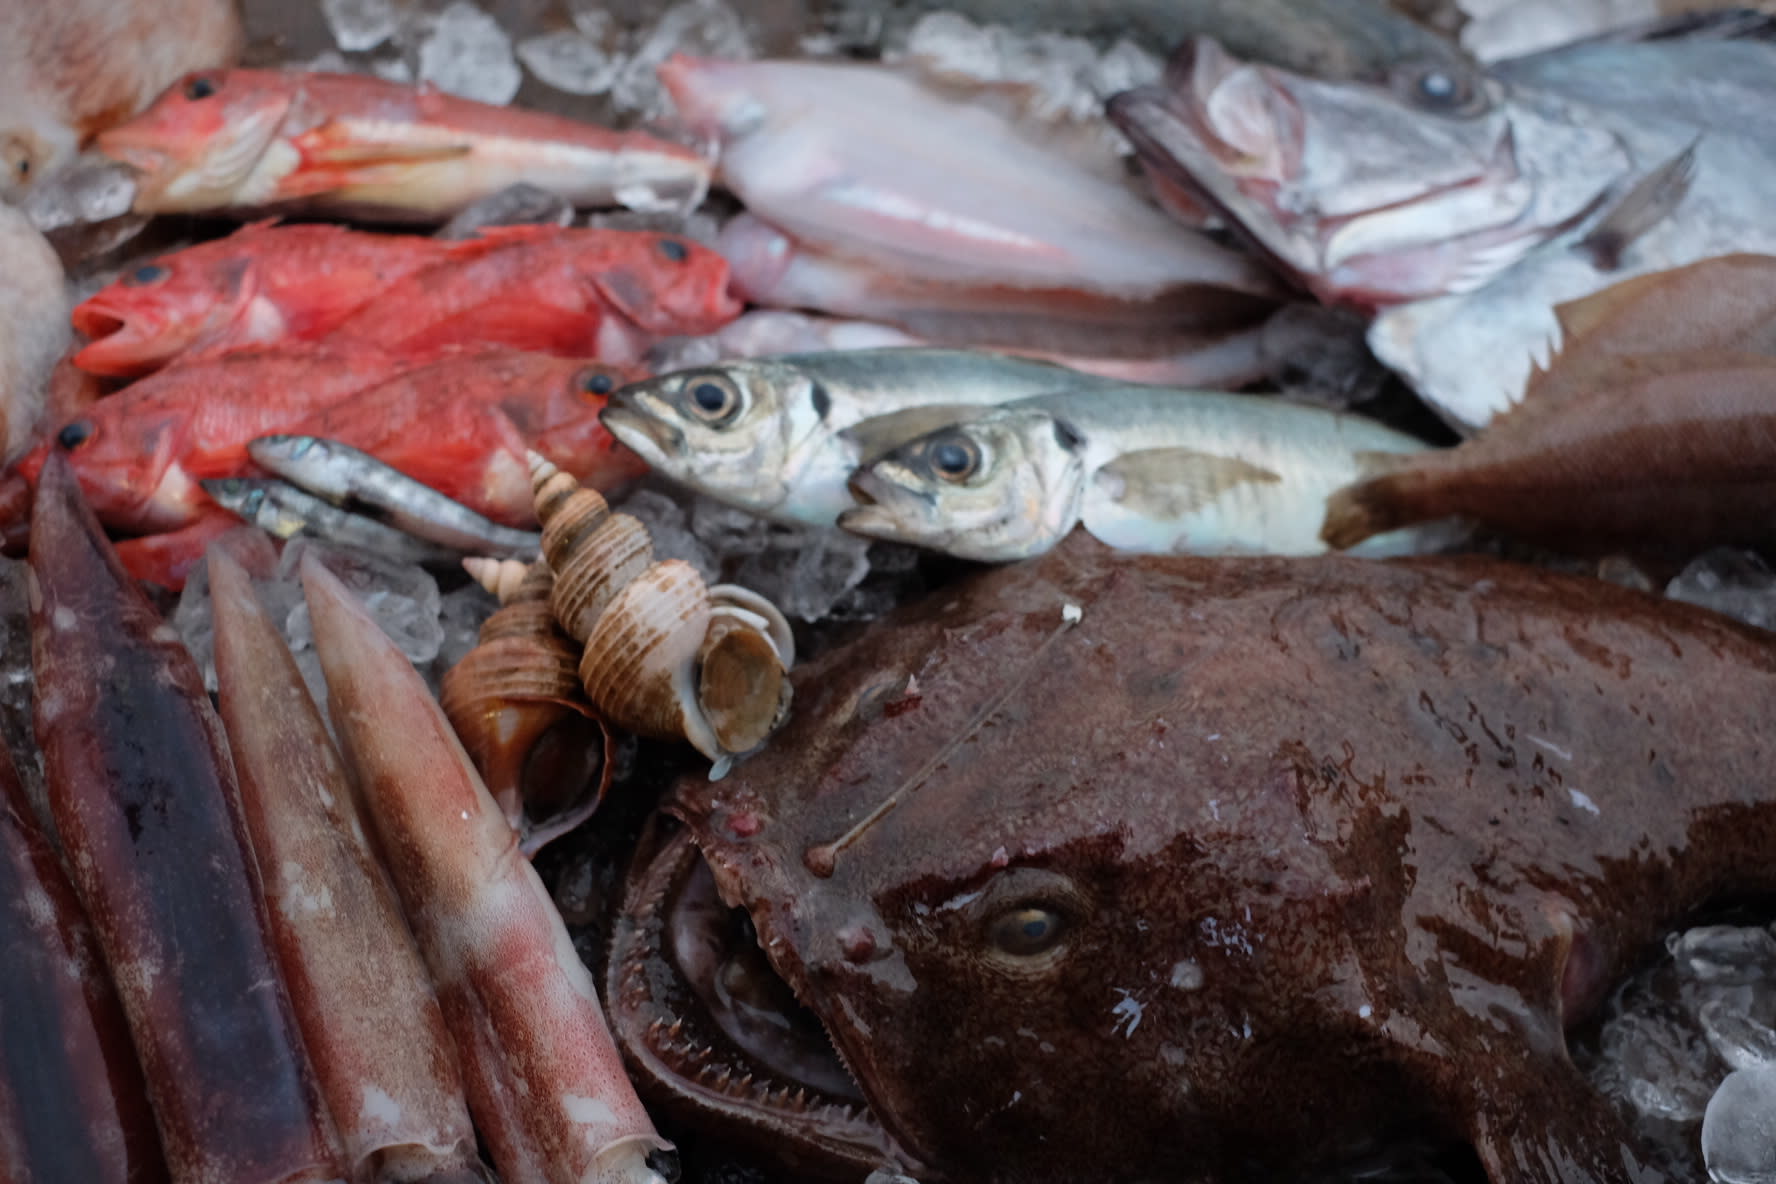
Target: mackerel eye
[
  {"x": 143, "y": 276},
  {"x": 712, "y": 400},
  {"x": 200, "y": 86},
  {"x": 953, "y": 457},
  {"x": 1027, "y": 931}
]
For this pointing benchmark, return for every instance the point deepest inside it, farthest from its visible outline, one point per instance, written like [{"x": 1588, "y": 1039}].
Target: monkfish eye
[
  {"x": 148, "y": 273},
  {"x": 75, "y": 434},
  {"x": 712, "y": 399},
  {"x": 674, "y": 250},
  {"x": 1026, "y": 931},
  {"x": 200, "y": 86},
  {"x": 593, "y": 381},
  {"x": 953, "y": 456}
]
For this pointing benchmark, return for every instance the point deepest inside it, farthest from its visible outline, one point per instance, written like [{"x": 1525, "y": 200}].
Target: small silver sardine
[
  {"x": 358, "y": 482},
  {"x": 780, "y": 436},
  {"x": 1144, "y": 470},
  {"x": 284, "y": 511}
]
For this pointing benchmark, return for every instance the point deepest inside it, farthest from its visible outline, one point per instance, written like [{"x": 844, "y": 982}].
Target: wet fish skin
[
  {"x": 355, "y": 480},
  {"x": 72, "y": 1101},
  {"x": 1213, "y": 737},
  {"x": 779, "y": 439},
  {"x": 1144, "y": 470},
  {"x": 139, "y": 778},
  {"x": 263, "y": 284},
  {"x": 33, "y": 327},
  {"x": 806, "y": 147},
  {"x": 246, "y": 140},
  {"x": 69, "y": 70},
  {"x": 286, "y": 511}
]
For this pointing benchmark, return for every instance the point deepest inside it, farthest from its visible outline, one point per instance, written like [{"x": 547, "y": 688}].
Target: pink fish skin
[{"x": 230, "y": 140}]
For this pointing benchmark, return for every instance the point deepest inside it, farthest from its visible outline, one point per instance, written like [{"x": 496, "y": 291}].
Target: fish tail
[{"x": 1360, "y": 510}]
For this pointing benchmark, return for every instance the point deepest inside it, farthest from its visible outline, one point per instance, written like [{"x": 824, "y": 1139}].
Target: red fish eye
[
  {"x": 674, "y": 250},
  {"x": 148, "y": 273},
  {"x": 597, "y": 382},
  {"x": 200, "y": 86},
  {"x": 75, "y": 434}
]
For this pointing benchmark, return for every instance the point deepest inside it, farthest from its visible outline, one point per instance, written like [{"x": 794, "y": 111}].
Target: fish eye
[
  {"x": 148, "y": 273},
  {"x": 1433, "y": 87},
  {"x": 596, "y": 382},
  {"x": 954, "y": 457},
  {"x": 1026, "y": 931},
  {"x": 713, "y": 400},
  {"x": 75, "y": 434},
  {"x": 200, "y": 86},
  {"x": 674, "y": 250}
]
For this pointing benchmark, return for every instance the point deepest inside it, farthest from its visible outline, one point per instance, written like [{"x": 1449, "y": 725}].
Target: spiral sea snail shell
[
  {"x": 665, "y": 655},
  {"x": 516, "y": 704}
]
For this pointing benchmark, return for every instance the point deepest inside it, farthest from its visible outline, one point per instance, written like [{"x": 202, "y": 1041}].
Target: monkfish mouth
[{"x": 719, "y": 1035}]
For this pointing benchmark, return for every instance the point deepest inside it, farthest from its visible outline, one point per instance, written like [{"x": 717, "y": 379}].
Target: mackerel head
[{"x": 1100, "y": 868}]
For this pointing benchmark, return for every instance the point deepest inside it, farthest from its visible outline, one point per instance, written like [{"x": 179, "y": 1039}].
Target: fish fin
[
  {"x": 1650, "y": 201},
  {"x": 882, "y": 434},
  {"x": 1721, "y": 24},
  {"x": 1360, "y": 510},
  {"x": 1557, "y": 1129},
  {"x": 320, "y": 147},
  {"x": 1167, "y": 484}
]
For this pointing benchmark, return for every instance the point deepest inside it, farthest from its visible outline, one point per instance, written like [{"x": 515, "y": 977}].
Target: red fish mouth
[
  {"x": 113, "y": 339},
  {"x": 717, "y": 1032}
]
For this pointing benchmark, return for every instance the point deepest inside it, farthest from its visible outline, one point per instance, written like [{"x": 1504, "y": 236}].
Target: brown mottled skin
[{"x": 1335, "y": 846}]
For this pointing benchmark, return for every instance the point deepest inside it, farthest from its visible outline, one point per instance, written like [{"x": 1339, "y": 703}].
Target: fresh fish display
[
  {"x": 810, "y": 150},
  {"x": 146, "y": 806},
  {"x": 68, "y": 70},
  {"x": 369, "y": 1016},
  {"x": 1469, "y": 231},
  {"x": 1498, "y": 30},
  {"x": 72, "y": 1102},
  {"x": 604, "y": 294},
  {"x": 1345, "y": 848},
  {"x": 349, "y": 478},
  {"x": 780, "y": 436},
  {"x": 261, "y": 285},
  {"x": 247, "y": 140},
  {"x": 1144, "y": 470},
  {"x": 546, "y": 1084},
  {"x": 286, "y": 511},
  {"x": 1654, "y": 427},
  {"x": 771, "y": 269},
  {"x": 33, "y": 327}
]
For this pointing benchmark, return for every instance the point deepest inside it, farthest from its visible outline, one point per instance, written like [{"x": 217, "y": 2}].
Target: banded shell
[
  {"x": 665, "y": 655},
  {"x": 516, "y": 704}
]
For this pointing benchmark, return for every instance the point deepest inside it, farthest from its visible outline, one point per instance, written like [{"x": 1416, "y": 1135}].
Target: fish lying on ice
[
  {"x": 780, "y": 436},
  {"x": 1466, "y": 232},
  {"x": 1252, "y": 861},
  {"x": 33, "y": 327},
  {"x": 232, "y": 140},
  {"x": 73, "y": 68},
  {"x": 1144, "y": 470}
]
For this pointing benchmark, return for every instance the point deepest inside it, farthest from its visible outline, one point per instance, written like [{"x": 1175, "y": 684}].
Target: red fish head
[
  {"x": 559, "y": 416},
  {"x": 127, "y": 470},
  {"x": 201, "y": 141},
  {"x": 155, "y": 311},
  {"x": 669, "y": 285}
]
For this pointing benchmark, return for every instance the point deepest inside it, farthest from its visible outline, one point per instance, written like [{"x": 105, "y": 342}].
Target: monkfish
[{"x": 1116, "y": 869}]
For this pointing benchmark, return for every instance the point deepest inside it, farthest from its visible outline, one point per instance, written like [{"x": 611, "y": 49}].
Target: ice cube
[
  {"x": 1739, "y": 1129},
  {"x": 461, "y": 613},
  {"x": 569, "y": 61},
  {"x": 522, "y": 204},
  {"x": 806, "y": 572},
  {"x": 1725, "y": 953},
  {"x": 401, "y": 597},
  {"x": 667, "y": 524},
  {"x": 1659, "y": 1063},
  {"x": 1736, "y": 1035},
  {"x": 359, "y": 25},
  {"x": 468, "y": 54},
  {"x": 1736, "y": 583},
  {"x": 703, "y": 28}
]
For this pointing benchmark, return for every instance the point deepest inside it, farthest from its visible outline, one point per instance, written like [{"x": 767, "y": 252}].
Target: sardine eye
[
  {"x": 713, "y": 400},
  {"x": 954, "y": 457},
  {"x": 596, "y": 382},
  {"x": 200, "y": 86},
  {"x": 674, "y": 250},
  {"x": 148, "y": 273},
  {"x": 1026, "y": 932},
  {"x": 75, "y": 434}
]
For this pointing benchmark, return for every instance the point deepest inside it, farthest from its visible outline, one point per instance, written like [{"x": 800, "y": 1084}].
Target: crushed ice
[
  {"x": 467, "y": 53},
  {"x": 1736, "y": 583}
]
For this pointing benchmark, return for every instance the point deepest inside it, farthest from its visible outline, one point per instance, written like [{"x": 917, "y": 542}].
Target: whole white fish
[
  {"x": 33, "y": 326},
  {"x": 862, "y": 162},
  {"x": 1591, "y": 165},
  {"x": 781, "y": 436},
  {"x": 1144, "y": 470}
]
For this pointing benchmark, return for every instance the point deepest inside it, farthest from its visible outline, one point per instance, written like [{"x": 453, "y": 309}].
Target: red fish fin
[
  {"x": 334, "y": 144},
  {"x": 166, "y": 559}
]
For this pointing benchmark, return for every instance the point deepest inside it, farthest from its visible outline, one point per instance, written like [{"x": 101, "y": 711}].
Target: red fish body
[
  {"x": 262, "y": 284},
  {"x": 253, "y": 139},
  {"x": 589, "y": 293}
]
